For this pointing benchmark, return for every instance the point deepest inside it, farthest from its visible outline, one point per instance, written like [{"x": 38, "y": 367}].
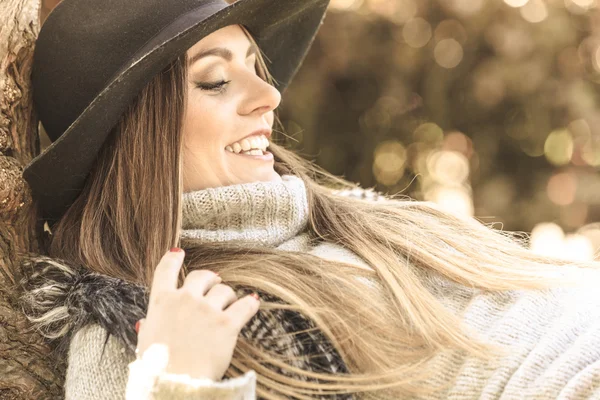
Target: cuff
[{"x": 148, "y": 380}]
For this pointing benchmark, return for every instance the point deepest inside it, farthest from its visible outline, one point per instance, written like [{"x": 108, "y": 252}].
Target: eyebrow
[{"x": 222, "y": 52}]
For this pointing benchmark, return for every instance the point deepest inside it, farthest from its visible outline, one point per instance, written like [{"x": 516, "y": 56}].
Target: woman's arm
[{"x": 98, "y": 372}]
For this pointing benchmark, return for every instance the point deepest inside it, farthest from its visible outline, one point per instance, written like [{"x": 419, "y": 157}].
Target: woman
[{"x": 362, "y": 296}]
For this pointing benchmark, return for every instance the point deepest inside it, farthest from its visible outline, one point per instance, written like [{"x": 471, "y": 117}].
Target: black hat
[{"x": 93, "y": 57}]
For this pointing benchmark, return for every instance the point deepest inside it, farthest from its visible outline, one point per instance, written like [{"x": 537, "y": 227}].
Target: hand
[{"x": 199, "y": 322}]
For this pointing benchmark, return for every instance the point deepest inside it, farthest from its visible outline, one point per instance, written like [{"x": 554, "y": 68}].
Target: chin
[{"x": 269, "y": 176}]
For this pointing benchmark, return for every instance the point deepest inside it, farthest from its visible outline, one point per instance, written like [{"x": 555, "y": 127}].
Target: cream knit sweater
[{"x": 555, "y": 334}]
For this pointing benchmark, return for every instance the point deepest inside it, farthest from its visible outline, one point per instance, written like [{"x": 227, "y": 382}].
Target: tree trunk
[{"x": 27, "y": 370}]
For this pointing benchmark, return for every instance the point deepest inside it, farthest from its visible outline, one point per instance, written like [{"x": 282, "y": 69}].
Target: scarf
[{"x": 259, "y": 213}]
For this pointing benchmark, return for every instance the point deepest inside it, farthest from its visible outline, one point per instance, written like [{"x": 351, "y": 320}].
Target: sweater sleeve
[
  {"x": 553, "y": 337},
  {"x": 97, "y": 372}
]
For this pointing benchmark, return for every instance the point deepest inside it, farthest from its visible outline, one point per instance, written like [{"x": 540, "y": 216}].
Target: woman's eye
[{"x": 213, "y": 86}]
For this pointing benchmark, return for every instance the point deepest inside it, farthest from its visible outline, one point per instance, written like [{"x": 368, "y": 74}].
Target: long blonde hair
[{"x": 124, "y": 231}]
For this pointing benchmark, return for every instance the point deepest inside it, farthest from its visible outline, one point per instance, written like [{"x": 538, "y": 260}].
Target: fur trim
[{"x": 59, "y": 299}]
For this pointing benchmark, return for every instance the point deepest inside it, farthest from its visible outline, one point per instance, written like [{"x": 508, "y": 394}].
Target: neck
[{"x": 259, "y": 213}]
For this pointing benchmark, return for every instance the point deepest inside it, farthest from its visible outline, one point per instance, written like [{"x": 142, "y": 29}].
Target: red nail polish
[
  {"x": 175, "y": 249},
  {"x": 137, "y": 327}
]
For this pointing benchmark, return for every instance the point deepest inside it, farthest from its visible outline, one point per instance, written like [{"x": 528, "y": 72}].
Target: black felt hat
[{"x": 93, "y": 57}]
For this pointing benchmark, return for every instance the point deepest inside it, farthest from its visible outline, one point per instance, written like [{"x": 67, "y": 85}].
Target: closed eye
[{"x": 213, "y": 86}]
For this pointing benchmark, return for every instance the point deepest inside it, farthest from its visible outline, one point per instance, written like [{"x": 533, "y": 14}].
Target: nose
[{"x": 262, "y": 96}]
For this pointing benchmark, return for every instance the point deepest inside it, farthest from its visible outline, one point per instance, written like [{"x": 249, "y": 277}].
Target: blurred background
[{"x": 489, "y": 108}]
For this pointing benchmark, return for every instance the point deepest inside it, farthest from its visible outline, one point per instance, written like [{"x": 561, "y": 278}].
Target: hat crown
[{"x": 84, "y": 43}]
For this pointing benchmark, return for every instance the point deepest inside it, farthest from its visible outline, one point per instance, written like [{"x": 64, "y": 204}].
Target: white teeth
[
  {"x": 256, "y": 142},
  {"x": 253, "y": 152},
  {"x": 245, "y": 144}
]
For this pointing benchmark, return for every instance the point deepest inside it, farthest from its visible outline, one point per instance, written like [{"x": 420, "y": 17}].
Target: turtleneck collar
[{"x": 263, "y": 213}]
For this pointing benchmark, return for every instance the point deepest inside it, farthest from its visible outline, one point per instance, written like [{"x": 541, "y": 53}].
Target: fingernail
[
  {"x": 175, "y": 249},
  {"x": 217, "y": 274},
  {"x": 255, "y": 296},
  {"x": 137, "y": 327}
]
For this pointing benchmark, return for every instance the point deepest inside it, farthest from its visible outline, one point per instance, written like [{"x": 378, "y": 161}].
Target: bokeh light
[
  {"x": 448, "y": 53},
  {"x": 390, "y": 161},
  {"x": 516, "y": 3},
  {"x": 534, "y": 11},
  {"x": 549, "y": 239},
  {"x": 345, "y": 5},
  {"x": 417, "y": 32},
  {"x": 562, "y": 188},
  {"x": 558, "y": 147},
  {"x": 429, "y": 132},
  {"x": 580, "y": 6},
  {"x": 448, "y": 167}
]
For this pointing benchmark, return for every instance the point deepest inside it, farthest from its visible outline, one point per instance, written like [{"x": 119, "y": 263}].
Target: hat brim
[{"x": 283, "y": 29}]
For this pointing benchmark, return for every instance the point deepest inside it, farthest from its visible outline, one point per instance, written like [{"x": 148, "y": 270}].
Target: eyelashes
[{"x": 218, "y": 87}]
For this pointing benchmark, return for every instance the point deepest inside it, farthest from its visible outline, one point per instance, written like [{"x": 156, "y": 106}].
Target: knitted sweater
[{"x": 554, "y": 334}]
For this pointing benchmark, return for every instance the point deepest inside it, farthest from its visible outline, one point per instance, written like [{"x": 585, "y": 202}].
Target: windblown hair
[{"x": 129, "y": 214}]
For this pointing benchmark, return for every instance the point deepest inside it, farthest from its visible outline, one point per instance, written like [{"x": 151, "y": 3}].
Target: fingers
[
  {"x": 206, "y": 284},
  {"x": 200, "y": 281},
  {"x": 220, "y": 296},
  {"x": 167, "y": 272},
  {"x": 243, "y": 310}
]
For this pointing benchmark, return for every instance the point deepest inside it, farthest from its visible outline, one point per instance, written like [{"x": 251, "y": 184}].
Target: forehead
[{"x": 231, "y": 34}]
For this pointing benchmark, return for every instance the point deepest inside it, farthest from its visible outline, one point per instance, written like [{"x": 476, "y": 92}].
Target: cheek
[{"x": 204, "y": 127}]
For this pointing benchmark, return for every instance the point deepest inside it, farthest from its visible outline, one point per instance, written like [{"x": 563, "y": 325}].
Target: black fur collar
[{"x": 60, "y": 298}]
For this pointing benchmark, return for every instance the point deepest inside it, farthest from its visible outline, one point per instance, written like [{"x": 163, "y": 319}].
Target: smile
[{"x": 256, "y": 145}]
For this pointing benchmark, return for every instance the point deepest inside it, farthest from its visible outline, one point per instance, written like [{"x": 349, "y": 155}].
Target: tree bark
[{"x": 27, "y": 369}]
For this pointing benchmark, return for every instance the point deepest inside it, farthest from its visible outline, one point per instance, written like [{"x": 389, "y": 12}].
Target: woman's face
[{"x": 218, "y": 120}]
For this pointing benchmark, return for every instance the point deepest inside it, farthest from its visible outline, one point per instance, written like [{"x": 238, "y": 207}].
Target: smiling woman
[
  {"x": 362, "y": 295},
  {"x": 230, "y": 111}
]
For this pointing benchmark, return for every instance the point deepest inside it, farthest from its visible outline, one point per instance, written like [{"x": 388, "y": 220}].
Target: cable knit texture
[
  {"x": 267, "y": 213},
  {"x": 554, "y": 334}
]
